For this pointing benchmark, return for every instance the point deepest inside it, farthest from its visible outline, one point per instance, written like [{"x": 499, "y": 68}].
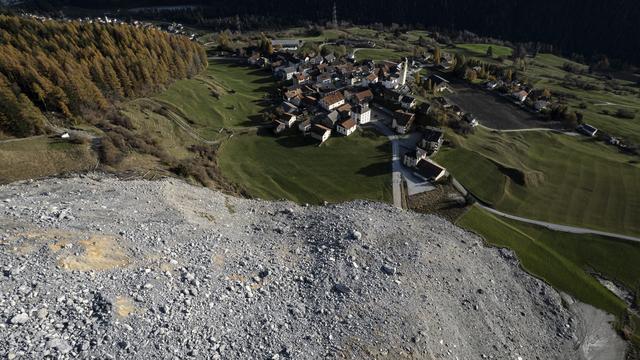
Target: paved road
[
  {"x": 396, "y": 164},
  {"x": 561, "y": 228},
  {"x": 563, "y": 132}
]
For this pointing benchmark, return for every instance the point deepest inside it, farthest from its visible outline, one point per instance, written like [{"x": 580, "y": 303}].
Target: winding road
[{"x": 558, "y": 227}]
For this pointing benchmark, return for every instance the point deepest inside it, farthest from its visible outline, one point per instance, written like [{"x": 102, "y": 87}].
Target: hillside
[
  {"x": 97, "y": 267},
  {"x": 589, "y": 27},
  {"x": 73, "y": 72}
]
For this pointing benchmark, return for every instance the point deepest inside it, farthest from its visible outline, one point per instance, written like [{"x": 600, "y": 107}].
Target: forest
[
  {"x": 77, "y": 71},
  {"x": 589, "y": 27}
]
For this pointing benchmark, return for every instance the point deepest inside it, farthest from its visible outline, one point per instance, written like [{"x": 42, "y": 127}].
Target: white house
[
  {"x": 430, "y": 143},
  {"x": 370, "y": 79},
  {"x": 286, "y": 73},
  {"x": 391, "y": 82},
  {"x": 402, "y": 121},
  {"x": 320, "y": 132},
  {"x": 288, "y": 119},
  {"x": 411, "y": 158},
  {"x": 332, "y": 101},
  {"x": 361, "y": 113},
  {"x": 330, "y": 58},
  {"x": 286, "y": 44},
  {"x": 305, "y": 126},
  {"x": 324, "y": 78},
  {"x": 346, "y": 127}
]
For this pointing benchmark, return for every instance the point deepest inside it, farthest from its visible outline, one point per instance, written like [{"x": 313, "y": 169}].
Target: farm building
[{"x": 430, "y": 170}]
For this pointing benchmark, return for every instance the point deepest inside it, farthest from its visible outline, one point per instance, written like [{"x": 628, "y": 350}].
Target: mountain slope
[
  {"x": 95, "y": 266},
  {"x": 77, "y": 70}
]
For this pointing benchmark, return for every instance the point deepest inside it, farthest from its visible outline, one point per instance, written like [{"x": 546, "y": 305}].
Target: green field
[
  {"x": 295, "y": 168},
  {"x": 240, "y": 98},
  {"x": 300, "y": 33},
  {"x": 380, "y": 54},
  {"x": 566, "y": 261},
  {"x": 545, "y": 71},
  {"x": 363, "y": 32},
  {"x": 481, "y": 49},
  {"x": 36, "y": 157},
  {"x": 549, "y": 177}
]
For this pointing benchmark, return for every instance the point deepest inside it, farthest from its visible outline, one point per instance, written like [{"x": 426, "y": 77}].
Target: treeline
[
  {"x": 589, "y": 27},
  {"x": 79, "y": 70}
]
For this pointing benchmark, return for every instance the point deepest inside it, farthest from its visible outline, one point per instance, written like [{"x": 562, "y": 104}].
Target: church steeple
[{"x": 335, "y": 16}]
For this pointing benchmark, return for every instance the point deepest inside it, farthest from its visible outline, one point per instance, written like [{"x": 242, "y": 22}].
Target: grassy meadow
[
  {"x": 546, "y": 71},
  {"x": 293, "y": 167},
  {"x": 481, "y": 49},
  {"x": 228, "y": 95},
  {"x": 377, "y": 54},
  {"x": 41, "y": 156},
  {"x": 566, "y": 261},
  {"x": 549, "y": 177}
]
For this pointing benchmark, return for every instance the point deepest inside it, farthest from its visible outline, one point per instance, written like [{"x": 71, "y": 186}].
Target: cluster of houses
[
  {"x": 456, "y": 112},
  {"x": 419, "y": 158},
  {"x": 177, "y": 29},
  {"x": 521, "y": 94},
  {"x": 330, "y": 96}
]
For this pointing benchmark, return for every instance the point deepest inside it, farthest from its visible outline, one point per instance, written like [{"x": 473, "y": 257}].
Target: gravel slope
[{"x": 97, "y": 267}]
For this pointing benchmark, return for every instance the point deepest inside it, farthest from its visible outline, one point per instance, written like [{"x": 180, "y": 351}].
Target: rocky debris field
[{"x": 96, "y": 267}]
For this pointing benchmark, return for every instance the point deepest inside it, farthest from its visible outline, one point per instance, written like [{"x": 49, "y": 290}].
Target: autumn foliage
[{"x": 74, "y": 68}]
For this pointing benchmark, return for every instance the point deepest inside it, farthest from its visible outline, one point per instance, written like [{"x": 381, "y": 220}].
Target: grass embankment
[
  {"x": 567, "y": 261},
  {"x": 293, "y": 167},
  {"x": 549, "y": 177},
  {"x": 227, "y": 95},
  {"x": 42, "y": 156}
]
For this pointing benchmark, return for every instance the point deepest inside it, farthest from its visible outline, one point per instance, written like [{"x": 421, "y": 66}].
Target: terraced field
[
  {"x": 228, "y": 95},
  {"x": 550, "y": 177}
]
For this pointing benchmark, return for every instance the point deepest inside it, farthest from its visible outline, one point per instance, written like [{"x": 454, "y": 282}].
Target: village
[{"x": 326, "y": 96}]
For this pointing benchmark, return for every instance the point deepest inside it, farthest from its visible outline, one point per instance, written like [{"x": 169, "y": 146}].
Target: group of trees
[
  {"x": 585, "y": 26},
  {"x": 72, "y": 69}
]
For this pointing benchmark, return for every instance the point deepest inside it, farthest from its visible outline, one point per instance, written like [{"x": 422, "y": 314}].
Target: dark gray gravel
[{"x": 95, "y": 267}]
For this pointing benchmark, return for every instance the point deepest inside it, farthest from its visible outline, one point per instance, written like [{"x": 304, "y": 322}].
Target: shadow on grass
[
  {"x": 293, "y": 141},
  {"x": 264, "y": 80},
  {"x": 254, "y": 120},
  {"x": 384, "y": 147},
  {"x": 377, "y": 169}
]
